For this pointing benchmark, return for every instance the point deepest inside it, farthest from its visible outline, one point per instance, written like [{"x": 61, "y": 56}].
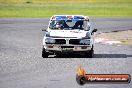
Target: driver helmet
[{"x": 59, "y": 23}]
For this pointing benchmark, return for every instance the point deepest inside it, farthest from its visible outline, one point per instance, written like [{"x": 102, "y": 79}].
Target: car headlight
[
  {"x": 87, "y": 36},
  {"x": 47, "y": 34},
  {"x": 49, "y": 40},
  {"x": 85, "y": 42}
]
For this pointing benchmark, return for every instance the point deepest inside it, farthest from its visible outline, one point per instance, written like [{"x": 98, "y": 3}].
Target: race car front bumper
[{"x": 67, "y": 48}]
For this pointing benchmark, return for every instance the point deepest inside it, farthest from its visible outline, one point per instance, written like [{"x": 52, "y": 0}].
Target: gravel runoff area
[{"x": 122, "y": 37}]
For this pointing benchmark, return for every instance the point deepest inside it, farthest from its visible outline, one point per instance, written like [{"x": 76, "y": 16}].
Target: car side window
[{"x": 86, "y": 26}]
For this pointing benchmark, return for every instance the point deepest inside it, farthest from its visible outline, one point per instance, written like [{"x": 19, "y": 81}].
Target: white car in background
[{"x": 69, "y": 34}]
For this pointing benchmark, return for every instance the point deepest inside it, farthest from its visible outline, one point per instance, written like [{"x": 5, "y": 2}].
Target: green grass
[
  {"x": 41, "y": 9},
  {"x": 62, "y": 1}
]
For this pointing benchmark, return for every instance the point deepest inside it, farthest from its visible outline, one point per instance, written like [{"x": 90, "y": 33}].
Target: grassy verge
[
  {"x": 46, "y": 8},
  {"x": 63, "y": 1}
]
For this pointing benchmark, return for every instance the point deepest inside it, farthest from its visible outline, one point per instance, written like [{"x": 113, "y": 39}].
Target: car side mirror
[
  {"x": 94, "y": 30},
  {"x": 44, "y": 30}
]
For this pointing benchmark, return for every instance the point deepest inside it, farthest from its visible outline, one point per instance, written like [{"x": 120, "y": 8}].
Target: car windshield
[{"x": 67, "y": 24}]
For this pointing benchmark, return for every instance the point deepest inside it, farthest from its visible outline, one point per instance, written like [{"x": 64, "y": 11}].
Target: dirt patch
[{"x": 125, "y": 37}]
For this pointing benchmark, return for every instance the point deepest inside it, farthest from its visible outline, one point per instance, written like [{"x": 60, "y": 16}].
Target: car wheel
[
  {"x": 44, "y": 53},
  {"x": 90, "y": 53},
  {"x": 58, "y": 54}
]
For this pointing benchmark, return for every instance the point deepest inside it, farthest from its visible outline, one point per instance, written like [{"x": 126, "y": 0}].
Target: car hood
[{"x": 68, "y": 33}]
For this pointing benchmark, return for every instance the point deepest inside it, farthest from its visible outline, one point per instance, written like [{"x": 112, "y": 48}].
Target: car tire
[
  {"x": 90, "y": 53},
  {"x": 58, "y": 55},
  {"x": 44, "y": 53}
]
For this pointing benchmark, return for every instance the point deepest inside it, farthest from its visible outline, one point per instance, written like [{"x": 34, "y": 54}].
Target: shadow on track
[
  {"x": 111, "y": 56},
  {"x": 95, "y": 56}
]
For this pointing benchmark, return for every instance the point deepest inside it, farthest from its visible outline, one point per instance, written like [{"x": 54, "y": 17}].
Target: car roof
[{"x": 69, "y": 17}]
